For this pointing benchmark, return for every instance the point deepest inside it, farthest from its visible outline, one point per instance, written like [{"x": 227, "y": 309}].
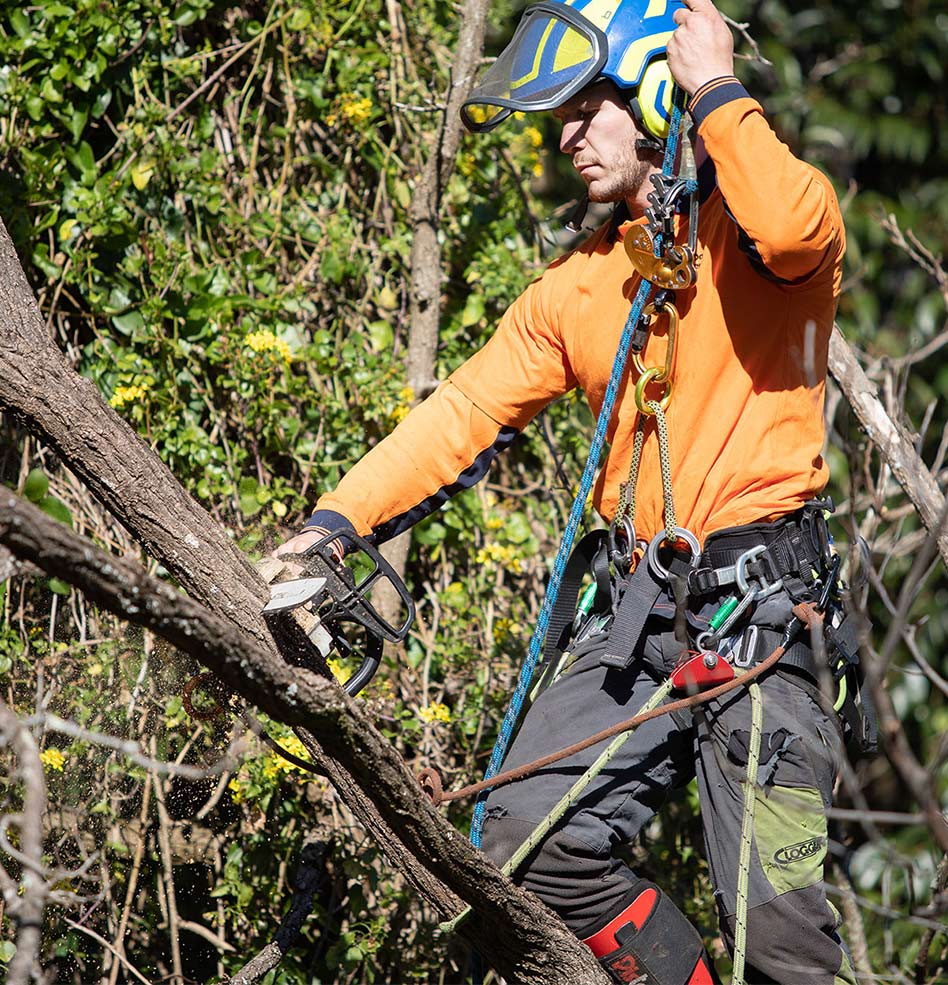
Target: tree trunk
[{"x": 522, "y": 939}]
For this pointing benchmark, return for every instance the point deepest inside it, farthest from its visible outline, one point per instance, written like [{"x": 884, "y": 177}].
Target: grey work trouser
[{"x": 792, "y": 935}]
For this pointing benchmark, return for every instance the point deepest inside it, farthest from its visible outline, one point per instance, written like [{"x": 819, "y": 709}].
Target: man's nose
[{"x": 571, "y": 136}]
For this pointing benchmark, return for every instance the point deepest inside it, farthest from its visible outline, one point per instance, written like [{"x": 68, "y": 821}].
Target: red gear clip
[{"x": 701, "y": 671}]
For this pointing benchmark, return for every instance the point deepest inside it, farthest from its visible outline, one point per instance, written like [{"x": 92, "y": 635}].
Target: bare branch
[
  {"x": 893, "y": 443},
  {"x": 25, "y": 903}
]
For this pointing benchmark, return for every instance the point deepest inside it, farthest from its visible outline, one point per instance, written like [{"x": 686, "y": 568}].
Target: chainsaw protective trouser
[{"x": 792, "y": 927}]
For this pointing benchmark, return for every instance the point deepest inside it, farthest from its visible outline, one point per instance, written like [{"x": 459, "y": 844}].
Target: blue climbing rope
[{"x": 535, "y": 649}]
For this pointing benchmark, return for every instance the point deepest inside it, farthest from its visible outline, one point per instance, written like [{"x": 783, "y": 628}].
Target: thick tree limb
[
  {"x": 893, "y": 443},
  {"x": 523, "y": 940}
]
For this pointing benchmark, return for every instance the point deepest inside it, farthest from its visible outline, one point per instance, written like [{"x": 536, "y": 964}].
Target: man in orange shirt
[{"x": 740, "y": 435}]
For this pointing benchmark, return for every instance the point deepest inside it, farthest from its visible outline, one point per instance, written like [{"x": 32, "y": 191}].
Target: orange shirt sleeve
[
  {"x": 447, "y": 442},
  {"x": 786, "y": 207}
]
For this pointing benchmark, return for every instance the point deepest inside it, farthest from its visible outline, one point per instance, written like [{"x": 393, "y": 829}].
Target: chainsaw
[{"x": 337, "y": 593}]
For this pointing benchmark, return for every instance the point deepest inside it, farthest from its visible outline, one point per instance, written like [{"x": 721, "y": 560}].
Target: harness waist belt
[{"x": 796, "y": 545}]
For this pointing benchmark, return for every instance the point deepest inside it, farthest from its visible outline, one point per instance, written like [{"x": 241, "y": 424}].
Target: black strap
[
  {"x": 796, "y": 545},
  {"x": 589, "y": 555},
  {"x": 639, "y": 594}
]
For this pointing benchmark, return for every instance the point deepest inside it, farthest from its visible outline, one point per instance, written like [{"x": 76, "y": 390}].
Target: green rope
[
  {"x": 664, "y": 456},
  {"x": 567, "y": 801},
  {"x": 747, "y": 834},
  {"x": 626, "y": 505}
]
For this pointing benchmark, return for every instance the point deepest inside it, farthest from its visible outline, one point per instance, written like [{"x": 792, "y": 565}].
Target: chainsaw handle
[
  {"x": 364, "y": 612},
  {"x": 368, "y": 667}
]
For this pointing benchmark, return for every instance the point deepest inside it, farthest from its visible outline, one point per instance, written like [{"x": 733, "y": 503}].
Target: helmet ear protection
[
  {"x": 653, "y": 99},
  {"x": 562, "y": 46}
]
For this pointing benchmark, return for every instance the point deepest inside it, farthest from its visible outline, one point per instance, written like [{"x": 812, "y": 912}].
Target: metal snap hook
[{"x": 618, "y": 555}]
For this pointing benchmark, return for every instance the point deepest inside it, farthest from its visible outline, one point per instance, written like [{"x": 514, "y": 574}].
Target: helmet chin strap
[
  {"x": 649, "y": 143},
  {"x": 575, "y": 221}
]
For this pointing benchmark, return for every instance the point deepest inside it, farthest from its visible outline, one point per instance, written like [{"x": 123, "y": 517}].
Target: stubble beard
[{"x": 625, "y": 178}]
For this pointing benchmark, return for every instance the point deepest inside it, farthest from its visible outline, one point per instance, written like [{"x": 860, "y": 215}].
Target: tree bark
[
  {"x": 426, "y": 273},
  {"x": 522, "y": 939}
]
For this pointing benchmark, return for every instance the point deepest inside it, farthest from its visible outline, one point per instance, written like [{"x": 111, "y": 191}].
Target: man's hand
[
  {"x": 702, "y": 48},
  {"x": 301, "y": 542}
]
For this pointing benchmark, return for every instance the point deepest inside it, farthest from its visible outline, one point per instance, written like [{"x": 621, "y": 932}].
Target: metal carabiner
[
  {"x": 740, "y": 574},
  {"x": 651, "y": 311},
  {"x": 617, "y": 556},
  {"x": 680, "y": 534}
]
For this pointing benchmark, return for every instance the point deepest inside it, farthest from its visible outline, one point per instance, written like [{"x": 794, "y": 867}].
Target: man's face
[{"x": 600, "y": 135}]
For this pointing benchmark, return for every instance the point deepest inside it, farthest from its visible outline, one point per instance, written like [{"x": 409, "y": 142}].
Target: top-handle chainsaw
[{"x": 338, "y": 595}]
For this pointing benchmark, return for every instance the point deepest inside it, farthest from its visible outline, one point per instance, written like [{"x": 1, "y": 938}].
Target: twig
[
  {"x": 133, "y": 751},
  {"x": 101, "y": 940},
  {"x": 167, "y": 866},
  {"x": 119, "y": 945},
  {"x": 755, "y": 55},
  {"x": 921, "y": 962}
]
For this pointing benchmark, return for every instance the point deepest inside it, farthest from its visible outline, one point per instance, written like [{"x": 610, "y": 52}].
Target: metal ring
[
  {"x": 641, "y": 401},
  {"x": 686, "y": 535}
]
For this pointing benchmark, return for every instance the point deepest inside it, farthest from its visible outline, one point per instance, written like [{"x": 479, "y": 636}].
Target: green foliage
[{"x": 213, "y": 205}]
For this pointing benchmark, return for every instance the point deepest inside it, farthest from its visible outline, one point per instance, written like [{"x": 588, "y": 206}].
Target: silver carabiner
[
  {"x": 616, "y": 555},
  {"x": 740, "y": 574},
  {"x": 686, "y": 535}
]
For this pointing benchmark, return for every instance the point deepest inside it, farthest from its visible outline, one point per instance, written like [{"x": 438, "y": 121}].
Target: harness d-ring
[{"x": 681, "y": 534}]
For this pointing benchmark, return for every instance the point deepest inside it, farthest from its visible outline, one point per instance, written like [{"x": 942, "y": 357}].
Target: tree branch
[
  {"x": 890, "y": 438},
  {"x": 522, "y": 938}
]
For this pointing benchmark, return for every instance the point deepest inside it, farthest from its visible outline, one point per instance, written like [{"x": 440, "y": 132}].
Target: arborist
[{"x": 722, "y": 264}]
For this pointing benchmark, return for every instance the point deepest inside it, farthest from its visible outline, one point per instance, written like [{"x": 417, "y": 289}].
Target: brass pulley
[{"x": 674, "y": 270}]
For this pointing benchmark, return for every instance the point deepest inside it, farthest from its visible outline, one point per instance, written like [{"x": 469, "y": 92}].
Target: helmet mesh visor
[{"x": 547, "y": 62}]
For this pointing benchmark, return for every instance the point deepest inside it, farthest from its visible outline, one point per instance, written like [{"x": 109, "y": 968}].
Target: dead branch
[
  {"x": 895, "y": 446},
  {"x": 308, "y": 879},
  {"x": 26, "y": 900},
  {"x": 522, "y": 938}
]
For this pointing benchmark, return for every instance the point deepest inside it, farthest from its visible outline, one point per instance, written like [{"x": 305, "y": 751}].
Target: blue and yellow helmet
[{"x": 562, "y": 46}]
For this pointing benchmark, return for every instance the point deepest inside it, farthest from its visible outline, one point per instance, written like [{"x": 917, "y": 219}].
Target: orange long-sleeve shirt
[{"x": 745, "y": 418}]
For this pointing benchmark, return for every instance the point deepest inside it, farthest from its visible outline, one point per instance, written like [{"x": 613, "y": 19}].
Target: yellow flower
[
  {"x": 537, "y": 169},
  {"x": 437, "y": 712},
  {"x": 534, "y": 137},
  {"x": 236, "y": 789},
  {"x": 406, "y": 394},
  {"x": 337, "y": 669},
  {"x": 53, "y": 759},
  {"x": 266, "y": 341},
  {"x": 128, "y": 394},
  {"x": 499, "y": 554},
  {"x": 356, "y": 111}
]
